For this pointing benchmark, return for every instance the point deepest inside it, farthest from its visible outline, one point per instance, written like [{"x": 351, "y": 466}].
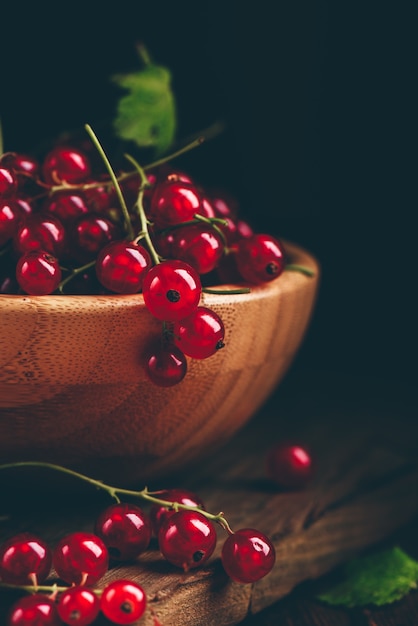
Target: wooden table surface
[{"x": 363, "y": 433}]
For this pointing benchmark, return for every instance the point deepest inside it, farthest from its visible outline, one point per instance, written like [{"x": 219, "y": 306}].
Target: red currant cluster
[
  {"x": 186, "y": 537},
  {"x": 70, "y": 226}
]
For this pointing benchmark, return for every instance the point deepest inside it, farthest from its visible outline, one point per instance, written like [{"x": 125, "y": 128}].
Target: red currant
[
  {"x": 201, "y": 334},
  {"x": 80, "y": 558},
  {"x": 78, "y": 605},
  {"x": 165, "y": 365},
  {"x": 125, "y": 530},
  {"x": 25, "y": 559},
  {"x": 171, "y": 290},
  {"x": 11, "y": 216},
  {"x": 41, "y": 231},
  {"x": 197, "y": 244},
  {"x": 8, "y": 183},
  {"x": 248, "y": 555},
  {"x": 123, "y": 601},
  {"x": 23, "y": 165},
  {"x": 187, "y": 539},
  {"x": 290, "y": 465},
  {"x": 260, "y": 258},
  {"x": 121, "y": 266},
  {"x": 34, "y": 610},
  {"x": 173, "y": 202},
  {"x": 66, "y": 205},
  {"x": 158, "y": 513},
  {"x": 66, "y": 164},
  {"x": 38, "y": 273},
  {"x": 90, "y": 233}
]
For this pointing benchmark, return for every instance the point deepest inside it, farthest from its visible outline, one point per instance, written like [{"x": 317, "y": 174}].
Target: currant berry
[
  {"x": 289, "y": 465},
  {"x": 34, "y": 610},
  {"x": 158, "y": 513},
  {"x": 38, "y": 273},
  {"x": 248, "y": 555},
  {"x": 171, "y": 290},
  {"x": 260, "y": 258},
  {"x": 90, "y": 233},
  {"x": 165, "y": 365},
  {"x": 123, "y": 601},
  {"x": 201, "y": 334},
  {"x": 199, "y": 245},
  {"x": 80, "y": 558},
  {"x": 8, "y": 183},
  {"x": 173, "y": 202},
  {"x": 66, "y": 205},
  {"x": 23, "y": 165},
  {"x": 10, "y": 218},
  {"x": 78, "y": 605},
  {"x": 187, "y": 539},
  {"x": 125, "y": 530},
  {"x": 41, "y": 231},
  {"x": 65, "y": 164},
  {"x": 121, "y": 266},
  {"x": 25, "y": 559}
]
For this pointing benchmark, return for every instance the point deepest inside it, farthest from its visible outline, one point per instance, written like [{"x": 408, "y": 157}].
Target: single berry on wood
[
  {"x": 80, "y": 558},
  {"x": 125, "y": 530},
  {"x": 290, "y": 465},
  {"x": 248, "y": 555},
  {"x": 25, "y": 559},
  {"x": 123, "y": 601}
]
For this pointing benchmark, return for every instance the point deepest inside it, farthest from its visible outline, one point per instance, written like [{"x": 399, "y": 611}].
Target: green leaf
[
  {"x": 378, "y": 579},
  {"x": 146, "y": 114}
]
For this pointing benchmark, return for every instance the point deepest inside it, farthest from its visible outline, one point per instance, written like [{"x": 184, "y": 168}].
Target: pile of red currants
[
  {"x": 70, "y": 224},
  {"x": 177, "y": 520}
]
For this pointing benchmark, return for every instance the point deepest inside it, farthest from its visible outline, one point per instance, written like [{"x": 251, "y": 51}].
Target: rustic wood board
[{"x": 364, "y": 436}]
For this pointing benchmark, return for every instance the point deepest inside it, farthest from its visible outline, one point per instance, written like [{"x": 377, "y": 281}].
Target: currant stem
[
  {"x": 127, "y": 219},
  {"x": 52, "y": 589},
  {"x": 294, "y": 267},
  {"x": 141, "y": 211},
  {"x": 226, "y": 292},
  {"x": 74, "y": 272},
  {"x": 114, "y": 492}
]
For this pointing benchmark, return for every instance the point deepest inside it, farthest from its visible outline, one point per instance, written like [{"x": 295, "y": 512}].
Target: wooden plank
[{"x": 364, "y": 437}]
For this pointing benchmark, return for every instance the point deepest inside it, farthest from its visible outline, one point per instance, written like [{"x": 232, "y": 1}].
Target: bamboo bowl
[{"x": 73, "y": 389}]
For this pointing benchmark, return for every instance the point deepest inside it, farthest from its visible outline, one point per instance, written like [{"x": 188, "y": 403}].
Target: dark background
[{"x": 320, "y": 147}]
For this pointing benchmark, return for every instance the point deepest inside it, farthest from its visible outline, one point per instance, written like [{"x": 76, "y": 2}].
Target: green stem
[
  {"x": 114, "y": 492},
  {"x": 226, "y": 292},
  {"x": 294, "y": 267},
  {"x": 141, "y": 211},
  {"x": 74, "y": 273},
  {"x": 126, "y": 217}
]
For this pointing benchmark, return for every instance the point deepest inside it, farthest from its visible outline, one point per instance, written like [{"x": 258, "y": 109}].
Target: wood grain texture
[
  {"x": 73, "y": 388},
  {"x": 364, "y": 437}
]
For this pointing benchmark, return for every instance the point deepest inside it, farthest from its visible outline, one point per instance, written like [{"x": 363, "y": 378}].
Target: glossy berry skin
[
  {"x": 34, "y": 610},
  {"x": 8, "y": 183},
  {"x": 187, "y": 539},
  {"x": 78, "y": 605},
  {"x": 11, "y": 216},
  {"x": 199, "y": 245},
  {"x": 201, "y": 334},
  {"x": 290, "y": 465},
  {"x": 165, "y": 365},
  {"x": 65, "y": 164},
  {"x": 41, "y": 231},
  {"x": 66, "y": 205},
  {"x": 158, "y": 514},
  {"x": 23, "y": 165},
  {"x": 259, "y": 258},
  {"x": 80, "y": 558},
  {"x": 248, "y": 555},
  {"x": 24, "y": 560},
  {"x": 121, "y": 266},
  {"x": 123, "y": 601},
  {"x": 90, "y": 234},
  {"x": 38, "y": 273},
  {"x": 125, "y": 530},
  {"x": 173, "y": 202},
  {"x": 171, "y": 290}
]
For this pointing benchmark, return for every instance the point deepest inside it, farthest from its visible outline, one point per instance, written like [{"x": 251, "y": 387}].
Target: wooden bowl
[{"x": 73, "y": 389}]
